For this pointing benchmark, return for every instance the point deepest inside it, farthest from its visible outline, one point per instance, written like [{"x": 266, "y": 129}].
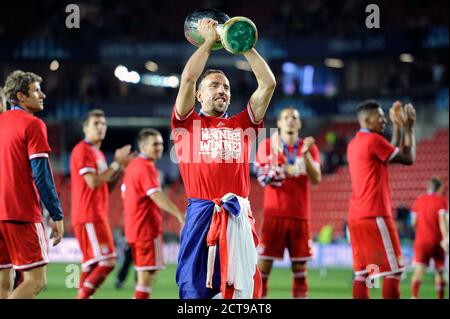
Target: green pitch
[{"x": 334, "y": 283}]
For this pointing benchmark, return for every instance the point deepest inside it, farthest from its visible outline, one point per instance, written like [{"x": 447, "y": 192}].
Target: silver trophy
[{"x": 237, "y": 34}]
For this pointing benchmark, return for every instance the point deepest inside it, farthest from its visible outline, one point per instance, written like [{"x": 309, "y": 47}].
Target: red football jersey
[
  {"x": 292, "y": 198},
  {"x": 368, "y": 154},
  {"x": 88, "y": 205},
  {"x": 143, "y": 220},
  {"x": 22, "y": 138},
  {"x": 427, "y": 208},
  {"x": 213, "y": 152}
]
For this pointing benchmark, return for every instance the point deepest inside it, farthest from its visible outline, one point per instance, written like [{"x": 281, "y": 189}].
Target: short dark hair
[
  {"x": 146, "y": 133},
  {"x": 208, "y": 72},
  {"x": 92, "y": 113},
  {"x": 367, "y": 106},
  {"x": 285, "y": 109},
  {"x": 435, "y": 184},
  {"x": 19, "y": 81}
]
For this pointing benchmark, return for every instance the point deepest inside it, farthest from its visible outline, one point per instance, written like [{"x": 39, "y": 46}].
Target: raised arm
[
  {"x": 397, "y": 117},
  {"x": 407, "y": 154},
  {"x": 260, "y": 99},
  {"x": 312, "y": 168},
  {"x": 95, "y": 180},
  {"x": 195, "y": 66}
]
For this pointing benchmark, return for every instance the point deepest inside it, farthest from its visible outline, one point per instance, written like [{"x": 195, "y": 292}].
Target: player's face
[
  {"x": 153, "y": 147},
  {"x": 289, "y": 121},
  {"x": 95, "y": 130},
  {"x": 34, "y": 101},
  {"x": 214, "y": 94},
  {"x": 377, "y": 121}
]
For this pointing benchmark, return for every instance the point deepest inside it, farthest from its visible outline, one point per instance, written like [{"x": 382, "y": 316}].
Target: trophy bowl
[
  {"x": 237, "y": 35},
  {"x": 191, "y": 25}
]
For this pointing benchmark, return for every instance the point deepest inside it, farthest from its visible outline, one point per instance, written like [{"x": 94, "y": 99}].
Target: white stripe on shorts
[
  {"x": 93, "y": 239},
  {"x": 387, "y": 243},
  {"x": 158, "y": 257},
  {"x": 42, "y": 241}
]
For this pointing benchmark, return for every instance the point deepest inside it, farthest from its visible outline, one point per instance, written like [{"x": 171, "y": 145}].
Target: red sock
[
  {"x": 360, "y": 290},
  {"x": 85, "y": 271},
  {"x": 300, "y": 285},
  {"x": 94, "y": 280},
  {"x": 440, "y": 289},
  {"x": 265, "y": 280},
  {"x": 415, "y": 286},
  {"x": 391, "y": 287},
  {"x": 142, "y": 292}
]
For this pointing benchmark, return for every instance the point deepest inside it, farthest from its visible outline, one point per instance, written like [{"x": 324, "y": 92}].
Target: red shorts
[
  {"x": 423, "y": 252},
  {"x": 148, "y": 254},
  {"x": 375, "y": 246},
  {"x": 23, "y": 245},
  {"x": 96, "y": 242},
  {"x": 281, "y": 232}
]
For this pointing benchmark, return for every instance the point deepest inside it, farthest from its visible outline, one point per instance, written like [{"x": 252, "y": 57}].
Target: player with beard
[{"x": 213, "y": 153}]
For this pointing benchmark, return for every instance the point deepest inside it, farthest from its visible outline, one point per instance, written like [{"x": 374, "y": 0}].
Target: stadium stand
[{"x": 329, "y": 199}]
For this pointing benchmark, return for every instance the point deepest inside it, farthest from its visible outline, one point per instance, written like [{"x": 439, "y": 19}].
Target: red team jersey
[
  {"x": 22, "y": 138},
  {"x": 143, "y": 220},
  {"x": 292, "y": 198},
  {"x": 88, "y": 205},
  {"x": 213, "y": 152},
  {"x": 427, "y": 209},
  {"x": 368, "y": 154}
]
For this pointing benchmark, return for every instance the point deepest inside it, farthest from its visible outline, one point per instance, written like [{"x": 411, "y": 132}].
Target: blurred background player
[
  {"x": 431, "y": 242},
  {"x": 91, "y": 179},
  {"x": 210, "y": 174},
  {"x": 143, "y": 201},
  {"x": 373, "y": 234},
  {"x": 26, "y": 180},
  {"x": 287, "y": 200}
]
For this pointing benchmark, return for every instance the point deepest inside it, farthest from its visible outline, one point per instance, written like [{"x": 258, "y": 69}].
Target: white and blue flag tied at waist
[{"x": 193, "y": 275}]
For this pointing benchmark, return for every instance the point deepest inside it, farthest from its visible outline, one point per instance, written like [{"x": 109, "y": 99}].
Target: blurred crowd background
[{"x": 127, "y": 56}]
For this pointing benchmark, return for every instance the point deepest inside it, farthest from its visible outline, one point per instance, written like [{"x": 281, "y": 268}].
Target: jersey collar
[
  {"x": 143, "y": 156},
  {"x": 225, "y": 115},
  {"x": 91, "y": 144},
  {"x": 16, "y": 107}
]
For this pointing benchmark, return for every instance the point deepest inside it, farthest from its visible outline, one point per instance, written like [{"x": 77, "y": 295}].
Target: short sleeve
[
  {"x": 149, "y": 180},
  {"x": 246, "y": 119},
  {"x": 443, "y": 209},
  {"x": 381, "y": 148},
  {"x": 84, "y": 161},
  {"x": 37, "y": 144},
  {"x": 178, "y": 121},
  {"x": 315, "y": 154}
]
